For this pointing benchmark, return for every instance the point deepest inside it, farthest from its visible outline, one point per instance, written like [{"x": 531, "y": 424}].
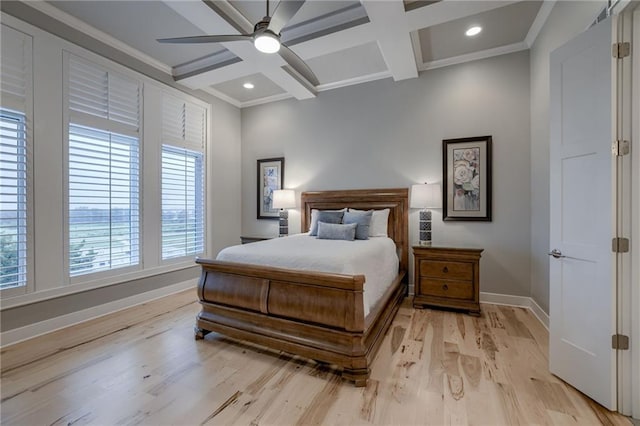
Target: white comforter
[{"x": 375, "y": 258}]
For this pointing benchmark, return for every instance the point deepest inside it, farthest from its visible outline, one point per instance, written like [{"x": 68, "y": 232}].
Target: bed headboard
[{"x": 396, "y": 200}]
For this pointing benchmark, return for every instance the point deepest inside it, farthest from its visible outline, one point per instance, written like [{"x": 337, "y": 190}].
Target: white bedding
[{"x": 375, "y": 258}]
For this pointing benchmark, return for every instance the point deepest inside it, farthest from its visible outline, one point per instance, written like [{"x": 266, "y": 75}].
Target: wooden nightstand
[
  {"x": 253, "y": 239},
  {"x": 447, "y": 277}
]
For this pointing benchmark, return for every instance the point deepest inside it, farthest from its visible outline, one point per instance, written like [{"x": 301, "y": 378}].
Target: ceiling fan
[{"x": 265, "y": 37}]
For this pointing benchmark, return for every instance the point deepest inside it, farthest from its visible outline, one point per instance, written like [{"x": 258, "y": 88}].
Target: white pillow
[
  {"x": 379, "y": 222},
  {"x": 314, "y": 216}
]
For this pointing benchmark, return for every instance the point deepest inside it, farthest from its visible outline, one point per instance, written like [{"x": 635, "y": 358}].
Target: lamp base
[
  {"x": 284, "y": 223},
  {"x": 424, "y": 243},
  {"x": 425, "y": 228}
]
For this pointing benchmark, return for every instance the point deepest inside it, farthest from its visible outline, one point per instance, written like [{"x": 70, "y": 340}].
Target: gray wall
[
  {"x": 389, "y": 134},
  {"x": 224, "y": 200},
  {"x": 567, "y": 20}
]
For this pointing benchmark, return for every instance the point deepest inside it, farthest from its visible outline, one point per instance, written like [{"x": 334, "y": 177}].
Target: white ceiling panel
[
  {"x": 263, "y": 88},
  {"x": 348, "y": 64},
  {"x": 500, "y": 27}
]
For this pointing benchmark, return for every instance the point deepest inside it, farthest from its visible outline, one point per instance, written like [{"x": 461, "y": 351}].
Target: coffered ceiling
[{"x": 344, "y": 42}]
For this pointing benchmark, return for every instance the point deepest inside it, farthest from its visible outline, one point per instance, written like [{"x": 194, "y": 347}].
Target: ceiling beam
[
  {"x": 449, "y": 10},
  {"x": 334, "y": 42},
  {"x": 389, "y": 22},
  {"x": 204, "y": 18},
  {"x": 218, "y": 75}
]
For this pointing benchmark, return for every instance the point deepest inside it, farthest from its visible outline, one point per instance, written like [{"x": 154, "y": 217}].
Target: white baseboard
[
  {"x": 520, "y": 301},
  {"x": 30, "y": 331},
  {"x": 542, "y": 316}
]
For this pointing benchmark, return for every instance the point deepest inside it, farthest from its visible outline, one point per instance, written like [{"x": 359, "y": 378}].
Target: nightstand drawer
[
  {"x": 446, "y": 270},
  {"x": 448, "y": 289}
]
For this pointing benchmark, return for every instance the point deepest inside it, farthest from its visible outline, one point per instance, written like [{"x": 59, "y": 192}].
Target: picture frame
[
  {"x": 467, "y": 179},
  {"x": 270, "y": 176}
]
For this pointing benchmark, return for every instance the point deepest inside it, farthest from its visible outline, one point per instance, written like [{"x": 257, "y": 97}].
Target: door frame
[
  {"x": 628, "y": 220},
  {"x": 631, "y": 314}
]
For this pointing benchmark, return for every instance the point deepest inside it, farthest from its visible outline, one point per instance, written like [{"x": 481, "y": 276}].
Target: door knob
[{"x": 556, "y": 254}]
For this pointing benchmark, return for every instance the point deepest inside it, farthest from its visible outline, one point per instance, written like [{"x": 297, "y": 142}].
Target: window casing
[
  {"x": 16, "y": 219},
  {"x": 183, "y": 176},
  {"x": 103, "y": 170}
]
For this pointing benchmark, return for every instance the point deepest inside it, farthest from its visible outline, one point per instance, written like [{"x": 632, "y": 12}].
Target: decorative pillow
[
  {"x": 379, "y": 222},
  {"x": 336, "y": 231},
  {"x": 314, "y": 218},
  {"x": 326, "y": 216},
  {"x": 362, "y": 219}
]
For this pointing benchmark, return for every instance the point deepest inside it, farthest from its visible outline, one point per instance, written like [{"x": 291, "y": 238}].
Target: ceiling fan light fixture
[{"x": 267, "y": 42}]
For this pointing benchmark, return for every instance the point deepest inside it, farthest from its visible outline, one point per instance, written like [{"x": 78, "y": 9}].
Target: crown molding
[
  {"x": 93, "y": 32},
  {"x": 484, "y": 54},
  {"x": 218, "y": 94},
  {"x": 266, "y": 100},
  {"x": 353, "y": 81}
]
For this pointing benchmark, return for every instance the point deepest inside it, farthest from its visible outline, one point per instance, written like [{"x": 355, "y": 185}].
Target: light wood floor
[{"x": 142, "y": 366}]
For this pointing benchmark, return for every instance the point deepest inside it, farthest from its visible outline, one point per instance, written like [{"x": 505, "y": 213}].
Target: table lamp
[{"x": 284, "y": 199}]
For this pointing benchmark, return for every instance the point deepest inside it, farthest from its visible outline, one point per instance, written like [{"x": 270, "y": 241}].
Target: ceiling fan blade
[
  {"x": 206, "y": 39},
  {"x": 283, "y": 14},
  {"x": 298, "y": 64}
]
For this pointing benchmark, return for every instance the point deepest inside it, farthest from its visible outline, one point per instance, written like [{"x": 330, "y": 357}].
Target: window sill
[{"x": 9, "y": 302}]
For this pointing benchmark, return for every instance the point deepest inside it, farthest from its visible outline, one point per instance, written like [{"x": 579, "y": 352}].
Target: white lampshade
[
  {"x": 267, "y": 43},
  {"x": 426, "y": 196},
  {"x": 284, "y": 199}
]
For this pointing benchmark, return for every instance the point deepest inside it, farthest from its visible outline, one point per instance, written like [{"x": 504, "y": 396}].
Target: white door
[{"x": 582, "y": 203}]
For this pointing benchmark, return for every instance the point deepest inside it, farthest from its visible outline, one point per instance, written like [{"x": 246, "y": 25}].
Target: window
[
  {"x": 103, "y": 200},
  {"x": 13, "y": 199},
  {"x": 183, "y": 135},
  {"x": 103, "y": 170},
  {"x": 182, "y": 202},
  {"x": 15, "y": 214}
]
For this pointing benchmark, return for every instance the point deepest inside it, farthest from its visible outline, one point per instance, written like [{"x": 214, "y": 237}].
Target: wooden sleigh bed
[{"x": 312, "y": 314}]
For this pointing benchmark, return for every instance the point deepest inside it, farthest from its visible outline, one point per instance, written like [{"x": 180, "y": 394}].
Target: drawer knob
[
  {"x": 445, "y": 269},
  {"x": 445, "y": 287}
]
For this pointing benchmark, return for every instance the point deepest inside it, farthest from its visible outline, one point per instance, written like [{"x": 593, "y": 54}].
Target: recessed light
[
  {"x": 248, "y": 85},
  {"x": 475, "y": 30}
]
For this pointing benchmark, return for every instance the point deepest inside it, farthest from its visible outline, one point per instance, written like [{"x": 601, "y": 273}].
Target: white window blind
[
  {"x": 103, "y": 169},
  {"x": 15, "y": 69},
  {"x": 13, "y": 194},
  {"x": 102, "y": 94},
  {"x": 15, "y": 94},
  {"x": 103, "y": 200},
  {"x": 182, "y": 202},
  {"x": 183, "y": 122}
]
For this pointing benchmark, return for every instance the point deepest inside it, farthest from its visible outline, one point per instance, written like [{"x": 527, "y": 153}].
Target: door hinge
[
  {"x": 621, "y": 50},
  {"x": 620, "y": 245},
  {"x": 620, "y": 148},
  {"x": 620, "y": 341}
]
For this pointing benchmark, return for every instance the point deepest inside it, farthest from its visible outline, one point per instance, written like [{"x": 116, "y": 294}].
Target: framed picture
[
  {"x": 270, "y": 178},
  {"x": 466, "y": 179}
]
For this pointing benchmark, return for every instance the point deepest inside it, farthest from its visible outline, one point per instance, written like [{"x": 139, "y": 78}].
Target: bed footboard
[{"x": 315, "y": 315}]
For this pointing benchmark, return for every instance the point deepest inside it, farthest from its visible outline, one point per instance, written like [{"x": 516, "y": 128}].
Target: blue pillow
[
  {"x": 336, "y": 231},
  {"x": 362, "y": 219},
  {"x": 326, "y": 217}
]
